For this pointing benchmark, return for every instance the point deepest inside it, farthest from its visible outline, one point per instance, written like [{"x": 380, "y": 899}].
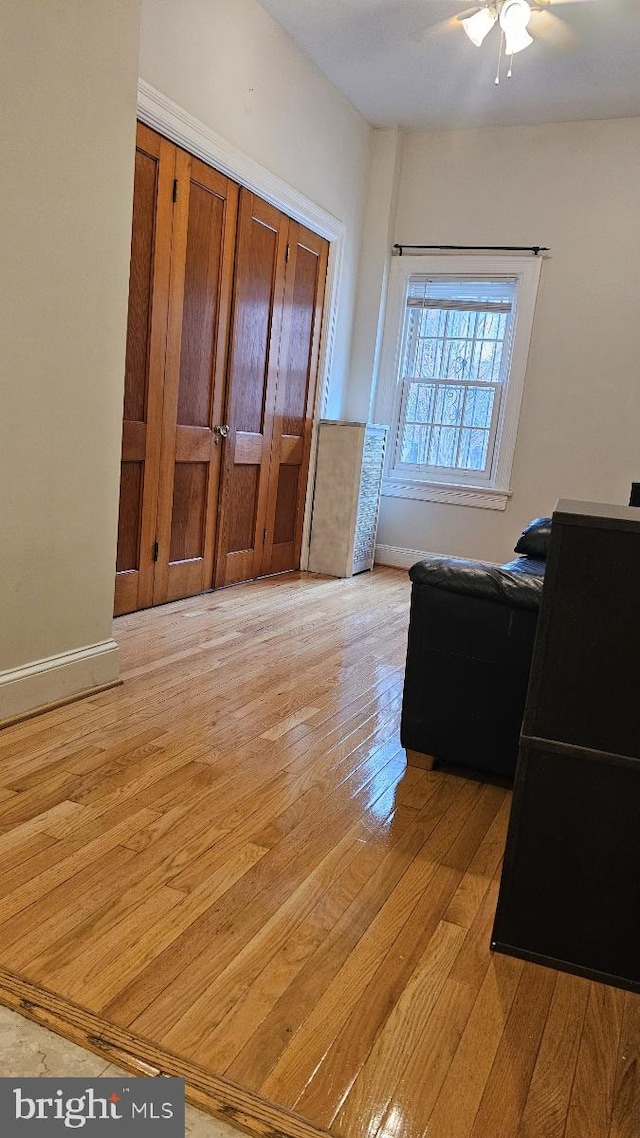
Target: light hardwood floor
[{"x": 224, "y": 870}]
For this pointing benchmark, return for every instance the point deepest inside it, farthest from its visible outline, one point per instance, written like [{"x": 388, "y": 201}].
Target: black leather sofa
[{"x": 471, "y": 633}]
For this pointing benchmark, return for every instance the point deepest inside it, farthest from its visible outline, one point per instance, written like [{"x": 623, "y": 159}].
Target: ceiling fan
[{"x": 514, "y": 19}]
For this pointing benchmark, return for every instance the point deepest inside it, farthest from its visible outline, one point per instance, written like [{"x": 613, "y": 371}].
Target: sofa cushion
[
  {"x": 507, "y": 585},
  {"x": 534, "y": 539},
  {"x": 530, "y": 565}
]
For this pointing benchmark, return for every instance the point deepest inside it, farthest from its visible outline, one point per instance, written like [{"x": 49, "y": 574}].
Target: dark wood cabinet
[{"x": 570, "y": 889}]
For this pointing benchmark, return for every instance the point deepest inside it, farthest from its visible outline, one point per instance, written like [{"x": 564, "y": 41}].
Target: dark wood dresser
[{"x": 570, "y": 889}]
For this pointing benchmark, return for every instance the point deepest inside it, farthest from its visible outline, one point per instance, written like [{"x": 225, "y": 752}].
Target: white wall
[
  {"x": 68, "y": 89},
  {"x": 232, "y": 66},
  {"x": 576, "y": 188},
  {"x": 377, "y": 238}
]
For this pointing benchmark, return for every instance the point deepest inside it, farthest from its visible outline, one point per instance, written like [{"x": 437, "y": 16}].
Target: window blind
[{"x": 461, "y": 295}]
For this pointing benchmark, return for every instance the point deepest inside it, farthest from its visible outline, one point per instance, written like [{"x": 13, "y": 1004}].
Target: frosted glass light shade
[
  {"x": 517, "y": 41},
  {"x": 514, "y": 17},
  {"x": 480, "y": 24}
]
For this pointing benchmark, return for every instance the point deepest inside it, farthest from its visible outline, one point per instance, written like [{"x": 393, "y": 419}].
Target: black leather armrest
[{"x": 507, "y": 585}]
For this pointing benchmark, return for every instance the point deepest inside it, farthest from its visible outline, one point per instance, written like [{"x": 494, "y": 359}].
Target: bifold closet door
[
  {"x": 144, "y": 369},
  {"x": 305, "y": 277},
  {"x": 213, "y": 483},
  {"x": 204, "y": 228},
  {"x": 251, "y": 388}
]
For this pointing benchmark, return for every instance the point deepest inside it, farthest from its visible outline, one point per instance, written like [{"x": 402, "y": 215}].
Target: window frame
[{"x": 456, "y": 487}]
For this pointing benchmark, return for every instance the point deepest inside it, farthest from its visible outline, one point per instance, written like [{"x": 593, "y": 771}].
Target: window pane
[
  {"x": 443, "y": 446},
  {"x": 420, "y": 402},
  {"x": 414, "y": 443},
  {"x": 484, "y": 353},
  {"x": 478, "y": 407},
  {"x": 463, "y": 450},
  {"x": 455, "y": 333},
  {"x": 412, "y": 401},
  {"x": 433, "y": 321},
  {"x": 449, "y": 402},
  {"x": 427, "y": 361},
  {"x": 478, "y": 450},
  {"x": 455, "y": 359},
  {"x": 461, "y": 324}
]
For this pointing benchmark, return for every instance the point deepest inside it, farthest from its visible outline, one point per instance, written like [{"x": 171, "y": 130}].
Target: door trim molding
[
  {"x": 55, "y": 679},
  {"x": 171, "y": 120}
]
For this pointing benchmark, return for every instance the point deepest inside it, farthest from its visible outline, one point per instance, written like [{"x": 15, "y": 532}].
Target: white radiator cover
[{"x": 347, "y": 497}]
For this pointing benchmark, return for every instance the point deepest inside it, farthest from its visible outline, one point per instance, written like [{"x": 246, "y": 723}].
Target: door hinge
[
  {"x": 288, "y": 254},
  {"x": 155, "y": 551},
  {"x": 175, "y": 189}
]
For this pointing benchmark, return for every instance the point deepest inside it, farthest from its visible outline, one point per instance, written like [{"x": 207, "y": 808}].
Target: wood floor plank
[
  {"x": 133, "y": 1053},
  {"x": 471, "y": 891},
  {"x": 305, "y": 1051},
  {"x": 225, "y": 1041},
  {"x": 246, "y": 991},
  {"x": 406, "y": 1112},
  {"x": 75, "y": 859},
  {"x": 33, "y": 844},
  {"x": 505, "y": 1094},
  {"x": 357, "y": 1098},
  {"x": 625, "y": 1117},
  {"x": 363, "y": 1108},
  {"x": 189, "y": 960},
  {"x": 269, "y": 1042},
  {"x": 323, "y": 1094},
  {"x": 224, "y": 870},
  {"x": 63, "y": 909},
  {"x": 470, "y": 837},
  {"x": 591, "y": 1103},
  {"x": 547, "y": 1104},
  {"x": 42, "y": 823},
  {"x": 457, "y": 1104},
  {"x": 473, "y": 958},
  {"x": 113, "y": 956}
]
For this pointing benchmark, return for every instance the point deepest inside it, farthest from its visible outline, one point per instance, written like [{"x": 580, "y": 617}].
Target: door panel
[
  {"x": 201, "y": 274},
  {"x": 296, "y": 387},
  {"x": 144, "y": 369},
  {"x": 255, "y": 336},
  {"x": 188, "y": 513},
  {"x": 131, "y": 482}
]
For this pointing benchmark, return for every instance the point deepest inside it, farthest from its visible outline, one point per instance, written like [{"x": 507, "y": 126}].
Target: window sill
[{"x": 483, "y": 498}]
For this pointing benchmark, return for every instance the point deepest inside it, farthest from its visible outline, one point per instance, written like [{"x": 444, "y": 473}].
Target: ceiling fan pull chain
[{"x": 499, "y": 56}]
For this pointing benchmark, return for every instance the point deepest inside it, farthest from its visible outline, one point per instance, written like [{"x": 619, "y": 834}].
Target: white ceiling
[{"x": 367, "y": 49}]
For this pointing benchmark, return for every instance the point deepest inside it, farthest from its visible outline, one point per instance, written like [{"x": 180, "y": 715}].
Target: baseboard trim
[
  {"x": 237, "y": 1106},
  {"x": 56, "y": 703},
  {"x": 399, "y": 557},
  {"x": 46, "y": 683}
]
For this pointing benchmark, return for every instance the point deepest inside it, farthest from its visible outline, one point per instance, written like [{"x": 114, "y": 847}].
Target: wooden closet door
[
  {"x": 144, "y": 369},
  {"x": 255, "y": 337},
  {"x": 305, "y": 278},
  {"x": 199, "y": 308}
]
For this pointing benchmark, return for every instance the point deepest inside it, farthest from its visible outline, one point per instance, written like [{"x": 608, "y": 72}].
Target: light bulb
[{"x": 480, "y": 24}]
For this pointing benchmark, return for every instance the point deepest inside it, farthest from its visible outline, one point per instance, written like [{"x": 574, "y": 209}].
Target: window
[
  {"x": 455, "y": 354},
  {"x": 454, "y": 381}
]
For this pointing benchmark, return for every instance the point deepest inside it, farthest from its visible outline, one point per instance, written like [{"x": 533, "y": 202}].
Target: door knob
[{"x": 222, "y": 431}]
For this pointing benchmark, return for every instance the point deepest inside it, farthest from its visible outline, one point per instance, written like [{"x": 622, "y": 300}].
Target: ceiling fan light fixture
[
  {"x": 514, "y": 18},
  {"x": 480, "y": 24}
]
